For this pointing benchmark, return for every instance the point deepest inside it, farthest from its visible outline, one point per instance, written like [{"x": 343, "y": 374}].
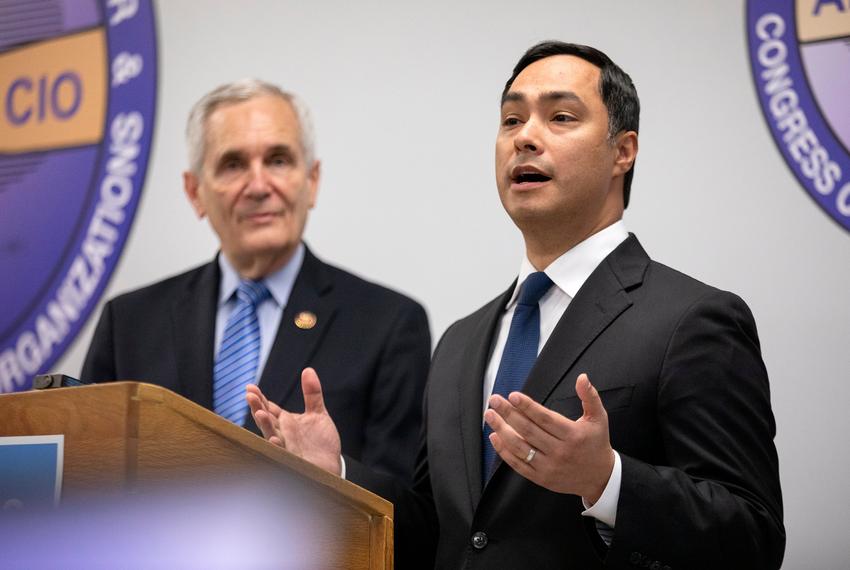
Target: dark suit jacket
[
  {"x": 370, "y": 347},
  {"x": 679, "y": 370}
]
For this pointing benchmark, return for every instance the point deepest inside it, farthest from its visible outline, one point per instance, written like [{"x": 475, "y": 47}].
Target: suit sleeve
[
  {"x": 99, "y": 365},
  {"x": 391, "y": 434},
  {"x": 415, "y": 526},
  {"x": 715, "y": 500}
]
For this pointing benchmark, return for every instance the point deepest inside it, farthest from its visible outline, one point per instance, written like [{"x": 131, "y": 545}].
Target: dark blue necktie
[
  {"x": 239, "y": 355},
  {"x": 519, "y": 354}
]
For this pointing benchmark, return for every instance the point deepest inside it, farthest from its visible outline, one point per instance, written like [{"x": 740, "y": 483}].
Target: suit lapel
[
  {"x": 470, "y": 387},
  {"x": 193, "y": 322},
  {"x": 599, "y": 302},
  {"x": 602, "y": 298},
  {"x": 293, "y": 346}
]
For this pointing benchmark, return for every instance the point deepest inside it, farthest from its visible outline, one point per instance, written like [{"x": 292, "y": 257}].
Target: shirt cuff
[
  {"x": 605, "y": 509},
  {"x": 342, "y": 468}
]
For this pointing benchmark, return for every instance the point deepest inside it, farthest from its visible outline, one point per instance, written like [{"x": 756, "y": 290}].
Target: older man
[
  {"x": 667, "y": 459},
  {"x": 266, "y": 307}
]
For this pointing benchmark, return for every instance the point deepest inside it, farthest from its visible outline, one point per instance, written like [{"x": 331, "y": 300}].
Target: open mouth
[
  {"x": 528, "y": 175},
  {"x": 531, "y": 177}
]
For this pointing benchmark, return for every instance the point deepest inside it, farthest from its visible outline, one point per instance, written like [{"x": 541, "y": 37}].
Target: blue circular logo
[
  {"x": 800, "y": 58},
  {"x": 78, "y": 88}
]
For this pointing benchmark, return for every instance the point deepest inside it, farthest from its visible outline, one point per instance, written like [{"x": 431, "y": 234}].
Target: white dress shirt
[
  {"x": 269, "y": 311},
  {"x": 568, "y": 273}
]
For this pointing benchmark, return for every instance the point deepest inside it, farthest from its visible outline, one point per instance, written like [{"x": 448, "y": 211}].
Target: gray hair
[{"x": 238, "y": 92}]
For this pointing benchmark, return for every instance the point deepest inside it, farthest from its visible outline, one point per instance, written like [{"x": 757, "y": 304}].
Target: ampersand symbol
[{"x": 125, "y": 67}]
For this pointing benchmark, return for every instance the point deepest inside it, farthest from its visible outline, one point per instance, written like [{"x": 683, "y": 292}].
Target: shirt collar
[
  {"x": 279, "y": 283},
  {"x": 572, "y": 268}
]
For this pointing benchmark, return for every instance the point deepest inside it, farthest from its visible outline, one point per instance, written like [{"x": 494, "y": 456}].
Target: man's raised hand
[
  {"x": 569, "y": 456},
  {"x": 311, "y": 435}
]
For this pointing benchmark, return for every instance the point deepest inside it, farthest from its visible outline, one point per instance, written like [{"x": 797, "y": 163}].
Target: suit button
[{"x": 479, "y": 540}]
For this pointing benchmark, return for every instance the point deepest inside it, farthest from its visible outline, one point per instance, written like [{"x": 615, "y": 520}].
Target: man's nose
[
  {"x": 258, "y": 181},
  {"x": 528, "y": 137}
]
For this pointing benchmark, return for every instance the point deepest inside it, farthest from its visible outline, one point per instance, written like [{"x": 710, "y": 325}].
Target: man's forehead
[
  {"x": 558, "y": 76},
  {"x": 260, "y": 118},
  {"x": 263, "y": 110}
]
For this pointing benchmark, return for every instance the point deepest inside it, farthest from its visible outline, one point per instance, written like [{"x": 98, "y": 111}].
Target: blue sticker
[{"x": 30, "y": 472}]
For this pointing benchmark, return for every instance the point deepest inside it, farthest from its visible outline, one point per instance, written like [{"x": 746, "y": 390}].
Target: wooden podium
[{"x": 131, "y": 438}]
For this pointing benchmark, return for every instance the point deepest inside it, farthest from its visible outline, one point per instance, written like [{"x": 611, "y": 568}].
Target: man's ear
[
  {"x": 191, "y": 186},
  {"x": 626, "y": 144},
  {"x": 313, "y": 176}
]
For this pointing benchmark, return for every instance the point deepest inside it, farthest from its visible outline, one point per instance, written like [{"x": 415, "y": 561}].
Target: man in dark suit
[
  {"x": 667, "y": 459},
  {"x": 266, "y": 307}
]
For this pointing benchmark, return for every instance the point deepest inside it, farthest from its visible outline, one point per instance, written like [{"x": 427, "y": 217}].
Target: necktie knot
[
  {"x": 534, "y": 287},
  {"x": 252, "y": 292}
]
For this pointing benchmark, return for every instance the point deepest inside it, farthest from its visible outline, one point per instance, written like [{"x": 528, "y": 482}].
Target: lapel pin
[{"x": 305, "y": 320}]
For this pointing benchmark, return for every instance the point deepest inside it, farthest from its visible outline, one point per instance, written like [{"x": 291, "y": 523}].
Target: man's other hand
[
  {"x": 311, "y": 436},
  {"x": 569, "y": 456}
]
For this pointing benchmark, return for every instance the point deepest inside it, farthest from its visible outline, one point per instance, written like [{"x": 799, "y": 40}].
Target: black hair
[{"x": 615, "y": 86}]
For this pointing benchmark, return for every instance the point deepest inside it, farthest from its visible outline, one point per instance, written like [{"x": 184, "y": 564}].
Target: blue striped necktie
[
  {"x": 519, "y": 354},
  {"x": 239, "y": 354}
]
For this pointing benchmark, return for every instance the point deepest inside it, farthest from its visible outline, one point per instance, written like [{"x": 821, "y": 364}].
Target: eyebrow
[
  {"x": 549, "y": 96},
  {"x": 239, "y": 154},
  {"x": 281, "y": 149},
  {"x": 231, "y": 154}
]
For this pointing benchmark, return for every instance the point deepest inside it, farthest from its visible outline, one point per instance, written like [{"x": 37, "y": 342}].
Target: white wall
[{"x": 405, "y": 99}]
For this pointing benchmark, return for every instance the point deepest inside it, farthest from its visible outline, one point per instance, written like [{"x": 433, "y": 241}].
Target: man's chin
[
  {"x": 258, "y": 259},
  {"x": 267, "y": 242},
  {"x": 527, "y": 213},
  {"x": 269, "y": 248}
]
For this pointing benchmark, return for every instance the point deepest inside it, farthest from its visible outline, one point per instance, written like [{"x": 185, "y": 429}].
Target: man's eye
[
  {"x": 230, "y": 165},
  {"x": 510, "y": 122},
  {"x": 562, "y": 118},
  {"x": 279, "y": 160}
]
